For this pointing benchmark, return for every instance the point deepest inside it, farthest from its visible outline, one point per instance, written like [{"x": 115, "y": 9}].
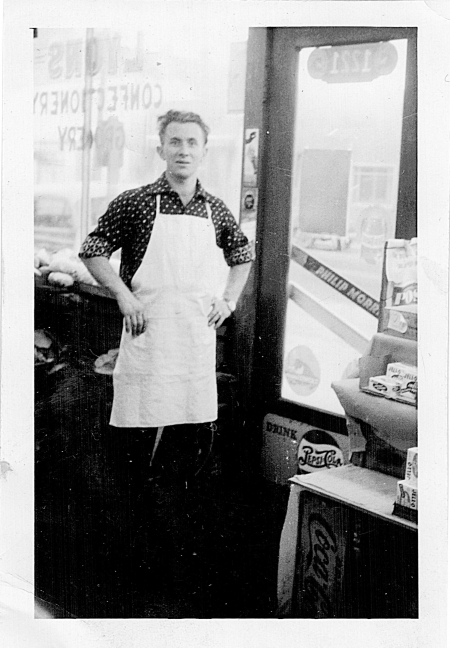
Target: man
[
  {"x": 165, "y": 372},
  {"x": 249, "y": 201}
]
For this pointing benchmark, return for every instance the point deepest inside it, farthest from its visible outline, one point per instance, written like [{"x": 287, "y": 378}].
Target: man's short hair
[{"x": 182, "y": 117}]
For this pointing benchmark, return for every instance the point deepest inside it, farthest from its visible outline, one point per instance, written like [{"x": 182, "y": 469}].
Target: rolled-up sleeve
[
  {"x": 107, "y": 236},
  {"x": 235, "y": 245},
  {"x": 243, "y": 254}
]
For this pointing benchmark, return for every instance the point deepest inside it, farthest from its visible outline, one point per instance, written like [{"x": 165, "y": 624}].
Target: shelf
[{"x": 360, "y": 488}]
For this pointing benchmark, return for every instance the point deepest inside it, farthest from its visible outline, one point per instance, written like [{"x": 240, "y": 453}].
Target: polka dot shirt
[{"x": 128, "y": 224}]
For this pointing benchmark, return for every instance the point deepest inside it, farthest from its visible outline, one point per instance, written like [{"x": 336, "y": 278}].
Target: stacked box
[
  {"x": 383, "y": 386},
  {"x": 407, "y": 494},
  {"x": 401, "y": 371},
  {"x": 406, "y": 375},
  {"x": 407, "y": 489},
  {"x": 399, "y": 383},
  {"x": 412, "y": 466}
]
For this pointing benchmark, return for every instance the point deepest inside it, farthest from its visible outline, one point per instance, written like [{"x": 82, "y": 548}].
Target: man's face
[
  {"x": 249, "y": 202},
  {"x": 183, "y": 149}
]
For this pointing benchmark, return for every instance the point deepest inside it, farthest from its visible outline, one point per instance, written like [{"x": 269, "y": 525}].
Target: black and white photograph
[{"x": 234, "y": 210}]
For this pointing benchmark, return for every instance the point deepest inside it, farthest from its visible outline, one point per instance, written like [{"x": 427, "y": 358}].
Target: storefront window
[
  {"x": 98, "y": 93},
  {"x": 344, "y": 200}
]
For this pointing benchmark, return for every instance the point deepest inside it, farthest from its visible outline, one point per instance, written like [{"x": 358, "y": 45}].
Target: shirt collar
[{"x": 162, "y": 186}]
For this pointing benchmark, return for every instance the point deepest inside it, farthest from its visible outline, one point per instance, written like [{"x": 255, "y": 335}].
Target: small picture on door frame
[
  {"x": 249, "y": 204},
  {"x": 251, "y": 149}
]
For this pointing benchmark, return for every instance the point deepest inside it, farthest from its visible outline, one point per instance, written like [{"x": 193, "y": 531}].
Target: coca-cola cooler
[
  {"x": 343, "y": 551},
  {"x": 351, "y": 564}
]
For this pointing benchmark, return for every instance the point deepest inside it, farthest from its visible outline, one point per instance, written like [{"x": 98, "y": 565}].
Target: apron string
[{"x": 157, "y": 441}]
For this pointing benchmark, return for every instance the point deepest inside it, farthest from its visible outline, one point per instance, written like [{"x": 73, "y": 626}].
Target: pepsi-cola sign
[{"x": 318, "y": 450}]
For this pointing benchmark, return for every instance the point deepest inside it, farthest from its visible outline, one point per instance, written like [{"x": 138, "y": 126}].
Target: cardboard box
[
  {"x": 403, "y": 391},
  {"x": 383, "y": 386},
  {"x": 407, "y": 494},
  {"x": 406, "y": 394},
  {"x": 401, "y": 371},
  {"x": 412, "y": 466}
]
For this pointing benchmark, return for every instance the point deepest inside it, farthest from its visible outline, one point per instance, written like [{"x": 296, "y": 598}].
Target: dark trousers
[
  {"x": 154, "y": 510},
  {"x": 180, "y": 455}
]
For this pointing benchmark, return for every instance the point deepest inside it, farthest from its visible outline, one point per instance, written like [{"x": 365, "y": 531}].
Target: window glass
[
  {"x": 344, "y": 199},
  {"x": 98, "y": 93},
  {"x": 58, "y": 127}
]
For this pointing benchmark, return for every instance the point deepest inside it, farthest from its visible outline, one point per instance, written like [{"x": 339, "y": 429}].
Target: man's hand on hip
[
  {"x": 133, "y": 311},
  {"x": 131, "y": 308}
]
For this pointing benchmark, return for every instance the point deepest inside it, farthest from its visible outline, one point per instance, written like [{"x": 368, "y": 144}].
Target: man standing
[{"x": 165, "y": 375}]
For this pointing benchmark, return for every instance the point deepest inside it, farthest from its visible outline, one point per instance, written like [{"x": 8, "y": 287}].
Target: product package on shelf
[
  {"x": 383, "y": 386},
  {"x": 412, "y": 466},
  {"x": 398, "y": 383},
  {"x": 407, "y": 500},
  {"x": 398, "y": 303},
  {"x": 381, "y": 430},
  {"x": 407, "y": 494},
  {"x": 406, "y": 376},
  {"x": 402, "y": 372}
]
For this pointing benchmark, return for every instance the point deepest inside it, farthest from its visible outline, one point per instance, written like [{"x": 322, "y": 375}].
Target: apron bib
[{"x": 167, "y": 375}]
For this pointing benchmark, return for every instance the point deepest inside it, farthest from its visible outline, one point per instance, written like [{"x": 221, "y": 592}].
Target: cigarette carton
[
  {"x": 383, "y": 386},
  {"x": 406, "y": 375},
  {"x": 403, "y": 372},
  {"x": 412, "y": 466},
  {"x": 407, "y": 495},
  {"x": 406, "y": 394}
]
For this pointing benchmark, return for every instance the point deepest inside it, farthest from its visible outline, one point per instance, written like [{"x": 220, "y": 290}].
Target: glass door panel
[{"x": 345, "y": 175}]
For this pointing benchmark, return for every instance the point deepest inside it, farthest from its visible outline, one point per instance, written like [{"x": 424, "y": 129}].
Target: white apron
[{"x": 167, "y": 375}]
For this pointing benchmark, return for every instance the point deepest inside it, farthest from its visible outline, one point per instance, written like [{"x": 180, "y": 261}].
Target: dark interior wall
[{"x": 243, "y": 328}]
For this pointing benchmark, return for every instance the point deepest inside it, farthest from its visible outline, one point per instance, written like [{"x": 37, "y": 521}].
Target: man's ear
[
  {"x": 160, "y": 152},
  {"x": 205, "y": 151}
]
